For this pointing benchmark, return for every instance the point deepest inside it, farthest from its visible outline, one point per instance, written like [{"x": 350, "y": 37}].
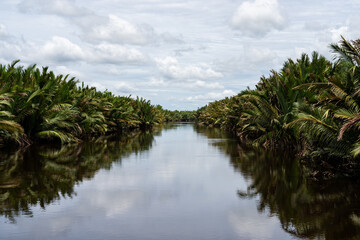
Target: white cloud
[
  {"x": 300, "y": 50},
  {"x": 157, "y": 82},
  {"x": 183, "y": 85},
  {"x": 120, "y": 31},
  {"x": 315, "y": 26},
  {"x": 211, "y": 96},
  {"x": 337, "y": 32},
  {"x": 58, "y": 7},
  {"x": 118, "y": 87},
  {"x": 66, "y": 70},
  {"x": 98, "y": 86},
  {"x": 182, "y": 51},
  {"x": 60, "y": 49},
  {"x": 252, "y": 58},
  {"x": 65, "y": 8},
  {"x": 3, "y": 31},
  {"x": 259, "y": 55},
  {"x": 10, "y": 51},
  {"x": 124, "y": 87},
  {"x": 203, "y": 84},
  {"x": 108, "y": 40},
  {"x": 258, "y": 18},
  {"x": 96, "y": 28},
  {"x": 171, "y": 38},
  {"x": 171, "y": 68},
  {"x": 115, "y": 54}
]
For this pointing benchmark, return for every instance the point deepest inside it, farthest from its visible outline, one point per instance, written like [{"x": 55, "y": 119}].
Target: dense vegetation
[
  {"x": 36, "y": 105},
  {"x": 179, "y": 116},
  {"x": 311, "y": 105}
]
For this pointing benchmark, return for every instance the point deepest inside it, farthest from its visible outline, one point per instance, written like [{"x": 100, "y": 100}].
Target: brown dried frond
[{"x": 349, "y": 124}]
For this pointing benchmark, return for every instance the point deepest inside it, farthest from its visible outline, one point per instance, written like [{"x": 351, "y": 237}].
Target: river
[{"x": 177, "y": 182}]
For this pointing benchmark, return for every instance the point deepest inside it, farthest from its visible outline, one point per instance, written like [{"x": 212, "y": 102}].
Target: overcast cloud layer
[{"x": 177, "y": 53}]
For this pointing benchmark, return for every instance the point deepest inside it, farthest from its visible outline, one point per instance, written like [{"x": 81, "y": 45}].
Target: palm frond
[{"x": 62, "y": 136}]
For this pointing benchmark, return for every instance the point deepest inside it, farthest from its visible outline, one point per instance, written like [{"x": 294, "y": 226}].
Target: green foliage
[
  {"x": 179, "y": 116},
  {"x": 311, "y": 104},
  {"x": 36, "y": 105}
]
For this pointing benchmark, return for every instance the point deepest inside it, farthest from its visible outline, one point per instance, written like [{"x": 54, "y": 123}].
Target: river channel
[{"x": 178, "y": 182}]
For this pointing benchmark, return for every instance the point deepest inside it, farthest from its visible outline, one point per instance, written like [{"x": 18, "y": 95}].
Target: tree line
[
  {"x": 311, "y": 105},
  {"x": 37, "y": 105}
]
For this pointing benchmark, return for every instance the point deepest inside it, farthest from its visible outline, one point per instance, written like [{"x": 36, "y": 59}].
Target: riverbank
[
  {"x": 310, "y": 106},
  {"x": 38, "y": 106}
]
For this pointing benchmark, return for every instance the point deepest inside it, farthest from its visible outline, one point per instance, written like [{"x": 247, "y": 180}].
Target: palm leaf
[{"x": 62, "y": 136}]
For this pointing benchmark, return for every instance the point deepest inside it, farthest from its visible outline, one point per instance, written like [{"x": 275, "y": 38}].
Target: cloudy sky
[{"x": 177, "y": 53}]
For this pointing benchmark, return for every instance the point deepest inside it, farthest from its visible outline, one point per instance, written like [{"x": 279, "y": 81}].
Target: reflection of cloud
[
  {"x": 259, "y": 227},
  {"x": 114, "y": 203},
  {"x": 61, "y": 223},
  {"x": 179, "y": 187},
  {"x": 165, "y": 173}
]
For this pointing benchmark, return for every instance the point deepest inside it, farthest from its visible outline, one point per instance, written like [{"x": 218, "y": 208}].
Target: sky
[{"x": 177, "y": 53}]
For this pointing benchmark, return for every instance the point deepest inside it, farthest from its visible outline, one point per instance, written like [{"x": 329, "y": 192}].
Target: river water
[{"x": 178, "y": 182}]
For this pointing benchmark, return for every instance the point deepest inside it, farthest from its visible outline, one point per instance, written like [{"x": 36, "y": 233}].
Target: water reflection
[
  {"x": 42, "y": 174},
  {"x": 177, "y": 187},
  {"x": 306, "y": 209}
]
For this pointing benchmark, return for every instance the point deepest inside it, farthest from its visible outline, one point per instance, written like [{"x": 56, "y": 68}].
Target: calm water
[{"x": 180, "y": 182}]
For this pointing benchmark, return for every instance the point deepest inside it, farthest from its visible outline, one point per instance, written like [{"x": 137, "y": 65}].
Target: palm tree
[
  {"x": 348, "y": 51},
  {"x": 9, "y": 129},
  {"x": 35, "y": 104}
]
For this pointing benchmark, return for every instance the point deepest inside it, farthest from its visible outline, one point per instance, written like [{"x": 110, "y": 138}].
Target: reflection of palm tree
[
  {"x": 306, "y": 209},
  {"x": 42, "y": 174}
]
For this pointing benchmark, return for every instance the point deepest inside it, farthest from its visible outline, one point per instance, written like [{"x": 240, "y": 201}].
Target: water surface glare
[{"x": 180, "y": 182}]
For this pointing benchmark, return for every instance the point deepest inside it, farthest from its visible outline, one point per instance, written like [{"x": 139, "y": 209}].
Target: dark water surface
[{"x": 180, "y": 182}]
